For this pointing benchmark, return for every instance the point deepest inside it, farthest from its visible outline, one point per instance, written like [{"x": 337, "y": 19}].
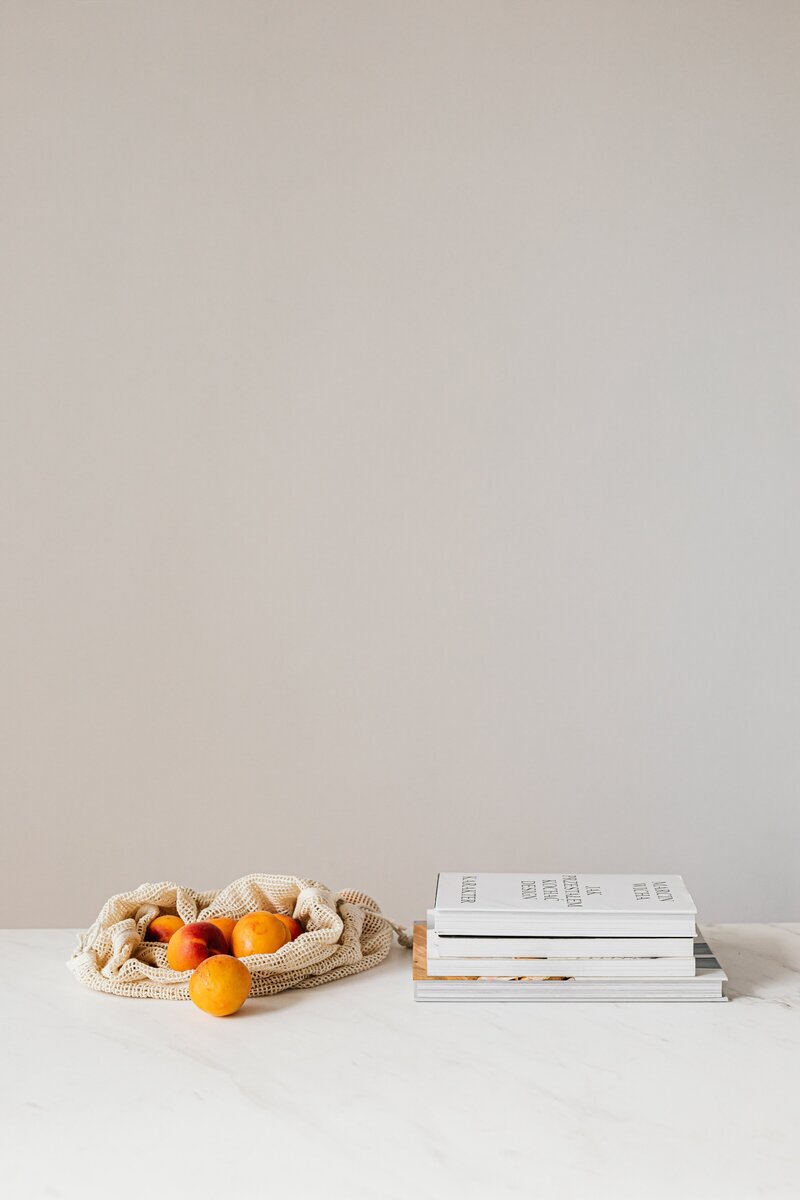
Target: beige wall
[{"x": 399, "y": 446}]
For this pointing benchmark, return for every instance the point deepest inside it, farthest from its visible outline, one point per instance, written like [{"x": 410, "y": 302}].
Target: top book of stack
[{"x": 563, "y": 906}]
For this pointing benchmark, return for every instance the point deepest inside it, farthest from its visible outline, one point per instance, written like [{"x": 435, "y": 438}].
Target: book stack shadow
[{"x": 563, "y": 937}]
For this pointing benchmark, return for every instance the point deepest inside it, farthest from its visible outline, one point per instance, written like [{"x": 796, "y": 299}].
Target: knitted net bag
[{"x": 345, "y": 933}]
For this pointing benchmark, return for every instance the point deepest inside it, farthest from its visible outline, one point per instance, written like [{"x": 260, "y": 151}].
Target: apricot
[
  {"x": 226, "y": 924},
  {"x": 294, "y": 927},
  {"x": 220, "y": 985},
  {"x": 162, "y": 928},
  {"x": 258, "y": 933},
  {"x": 192, "y": 944}
]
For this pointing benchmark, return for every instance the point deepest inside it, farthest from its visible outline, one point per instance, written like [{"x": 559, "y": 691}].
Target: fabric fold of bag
[{"x": 345, "y": 933}]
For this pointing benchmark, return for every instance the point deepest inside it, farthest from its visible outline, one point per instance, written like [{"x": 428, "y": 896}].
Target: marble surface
[{"x": 352, "y": 1090}]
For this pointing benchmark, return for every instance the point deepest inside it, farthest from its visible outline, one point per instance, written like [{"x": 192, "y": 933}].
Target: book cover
[{"x": 540, "y": 903}]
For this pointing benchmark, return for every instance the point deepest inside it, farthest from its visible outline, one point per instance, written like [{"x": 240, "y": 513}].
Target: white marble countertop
[{"x": 352, "y": 1090}]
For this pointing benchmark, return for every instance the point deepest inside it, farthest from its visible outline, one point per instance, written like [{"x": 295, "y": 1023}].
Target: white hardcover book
[
  {"x": 549, "y": 905},
  {"x": 563, "y": 968},
  {"x": 705, "y": 987},
  {"x": 460, "y": 946}
]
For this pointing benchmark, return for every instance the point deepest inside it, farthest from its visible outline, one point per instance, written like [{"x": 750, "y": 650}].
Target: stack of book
[{"x": 563, "y": 937}]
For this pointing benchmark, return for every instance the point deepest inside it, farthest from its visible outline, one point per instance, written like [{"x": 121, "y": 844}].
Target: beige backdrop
[{"x": 399, "y": 450}]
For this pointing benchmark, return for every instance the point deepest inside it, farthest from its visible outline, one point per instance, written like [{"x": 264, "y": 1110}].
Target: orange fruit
[
  {"x": 226, "y": 924},
  {"x": 191, "y": 944},
  {"x": 294, "y": 927},
  {"x": 162, "y": 928},
  {"x": 220, "y": 985},
  {"x": 258, "y": 933}
]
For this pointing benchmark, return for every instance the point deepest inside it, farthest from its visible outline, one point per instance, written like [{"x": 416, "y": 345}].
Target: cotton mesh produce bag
[{"x": 345, "y": 933}]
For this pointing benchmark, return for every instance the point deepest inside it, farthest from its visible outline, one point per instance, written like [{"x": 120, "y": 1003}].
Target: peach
[
  {"x": 258, "y": 933},
  {"x": 162, "y": 928},
  {"x": 294, "y": 927},
  {"x": 226, "y": 924},
  {"x": 194, "y": 943},
  {"x": 220, "y": 985}
]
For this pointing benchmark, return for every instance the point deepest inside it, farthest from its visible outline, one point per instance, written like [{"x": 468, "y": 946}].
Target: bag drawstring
[{"x": 403, "y": 936}]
